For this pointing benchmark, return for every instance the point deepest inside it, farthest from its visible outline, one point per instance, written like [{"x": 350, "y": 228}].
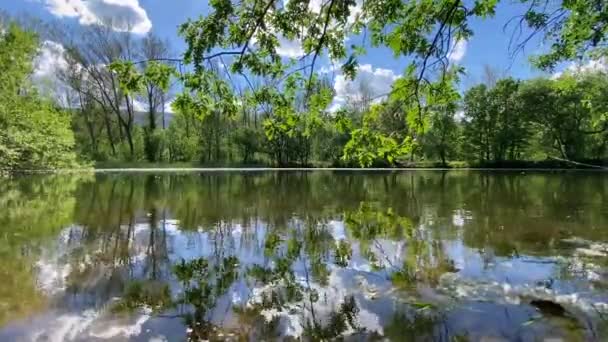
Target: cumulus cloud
[
  {"x": 355, "y": 11},
  {"x": 289, "y": 48},
  {"x": 49, "y": 63},
  {"x": 460, "y": 115},
  {"x": 50, "y": 59},
  {"x": 169, "y": 107},
  {"x": 139, "y": 106},
  {"x": 315, "y": 7},
  {"x": 121, "y": 15},
  {"x": 370, "y": 83},
  {"x": 142, "y": 106},
  {"x": 458, "y": 51},
  {"x": 595, "y": 65}
]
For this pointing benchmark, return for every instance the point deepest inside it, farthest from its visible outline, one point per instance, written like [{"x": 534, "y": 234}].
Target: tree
[
  {"x": 237, "y": 79},
  {"x": 368, "y": 145},
  {"x": 87, "y": 117},
  {"x": 424, "y": 31},
  {"x": 93, "y": 51},
  {"x": 577, "y": 29},
  {"x": 153, "y": 49},
  {"x": 477, "y": 124},
  {"x": 34, "y": 133},
  {"x": 569, "y": 111},
  {"x": 248, "y": 141},
  {"x": 509, "y": 120},
  {"x": 496, "y": 127},
  {"x": 182, "y": 142},
  {"x": 440, "y": 135}
]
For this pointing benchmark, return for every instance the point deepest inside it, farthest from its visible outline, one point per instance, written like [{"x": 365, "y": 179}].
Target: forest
[{"x": 229, "y": 99}]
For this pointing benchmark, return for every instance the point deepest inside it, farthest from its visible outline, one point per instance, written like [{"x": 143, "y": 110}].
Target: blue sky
[{"x": 488, "y": 46}]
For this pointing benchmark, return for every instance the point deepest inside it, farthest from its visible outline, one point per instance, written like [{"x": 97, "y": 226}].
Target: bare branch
[{"x": 319, "y": 47}]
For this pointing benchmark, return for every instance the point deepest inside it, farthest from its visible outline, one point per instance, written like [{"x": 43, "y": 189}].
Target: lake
[{"x": 318, "y": 255}]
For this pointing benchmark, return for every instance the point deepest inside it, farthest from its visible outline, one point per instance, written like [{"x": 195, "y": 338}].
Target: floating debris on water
[{"x": 548, "y": 307}]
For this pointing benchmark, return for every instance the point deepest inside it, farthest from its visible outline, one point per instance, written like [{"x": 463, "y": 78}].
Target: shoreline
[
  {"x": 309, "y": 169},
  {"x": 293, "y": 169}
]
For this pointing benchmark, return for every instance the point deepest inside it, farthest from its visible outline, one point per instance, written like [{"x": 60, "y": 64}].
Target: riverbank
[
  {"x": 110, "y": 167},
  {"x": 549, "y": 164}
]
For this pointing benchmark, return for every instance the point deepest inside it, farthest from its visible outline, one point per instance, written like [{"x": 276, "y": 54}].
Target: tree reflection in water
[{"x": 318, "y": 255}]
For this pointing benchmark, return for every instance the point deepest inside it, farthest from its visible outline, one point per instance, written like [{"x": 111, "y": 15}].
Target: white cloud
[
  {"x": 335, "y": 106},
  {"x": 460, "y": 115},
  {"x": 49, "y": 63},
  {"x": 289, "y": 48},
  {"x": 370, "y": 83},
  {"x": 50, "y": 60},
  {"x": 292, "y": 48},
  {"x": 315, "y": 7},
  {"x": 595, "y": 65},
  {"x": 556, "y": 75},
  {"x": 168, "y": 107},
  {"x": 459, "y": 49},
  {"x": 332, "y": 68},
  {"x": 355, "y": 10},
  {"x": 121, "y": 15},
  {"x": 140, "y": 106}
]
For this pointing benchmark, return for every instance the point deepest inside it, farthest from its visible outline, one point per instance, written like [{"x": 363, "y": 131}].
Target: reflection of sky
[
  {"x": 481, "y": 273},
  {"x": 511, "y": 270},
  {"x": 88, "y": 323}
]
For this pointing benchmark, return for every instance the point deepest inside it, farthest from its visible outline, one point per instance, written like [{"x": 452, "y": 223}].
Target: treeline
[
  {"x": 123, "y": 99},
  {"x": 538, "y": 118},
  {"x": 492, "y": 125}
]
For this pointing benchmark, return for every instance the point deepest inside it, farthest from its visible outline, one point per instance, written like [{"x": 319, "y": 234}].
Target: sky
[{"x": 378, "y": 68}]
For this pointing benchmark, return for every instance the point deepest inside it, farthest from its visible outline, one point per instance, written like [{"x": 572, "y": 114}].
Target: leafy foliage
[
  {"x": 577, "y": 29},
  {"x": 567, "y": 115},
  {"x": 34, "y": 133},
  {"x": 241, "y": 100}
]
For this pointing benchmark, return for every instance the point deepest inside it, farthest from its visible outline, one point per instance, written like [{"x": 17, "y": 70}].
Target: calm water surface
[{"x": 402, "y": 256}]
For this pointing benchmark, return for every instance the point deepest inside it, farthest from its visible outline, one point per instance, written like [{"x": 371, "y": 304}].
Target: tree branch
[{"x": 318, "y": 48}]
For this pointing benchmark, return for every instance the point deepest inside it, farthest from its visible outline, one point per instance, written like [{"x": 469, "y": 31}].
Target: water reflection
[{"x": 322, "y": 255}]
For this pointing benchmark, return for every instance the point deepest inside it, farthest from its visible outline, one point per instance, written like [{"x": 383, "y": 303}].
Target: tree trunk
[
  {"x": 163, "y": 101},
  {"x": 128, "y": 127},
  {"x": 109, "y": 132},
  {"x": 91, "y": 131}
]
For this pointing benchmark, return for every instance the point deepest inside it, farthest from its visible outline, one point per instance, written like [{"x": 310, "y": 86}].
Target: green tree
[
  {"x": 477, "y": 124},
  {"x": 182, "y": 142},
  {"x": 570, "y": 113},
  {"x": 496, "y": 127},
  {"x": 368, "y": 145},
  {"x": 510, "y": 121},
  {"x": 248, "y": 141},
  {"x": 441, "y": 134},
  {"x": 425, "y": 31},
  {"x": 155, "y": 84},
  {"x": 157, "y": 77},
  {"x": 34, "y": 133}
]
